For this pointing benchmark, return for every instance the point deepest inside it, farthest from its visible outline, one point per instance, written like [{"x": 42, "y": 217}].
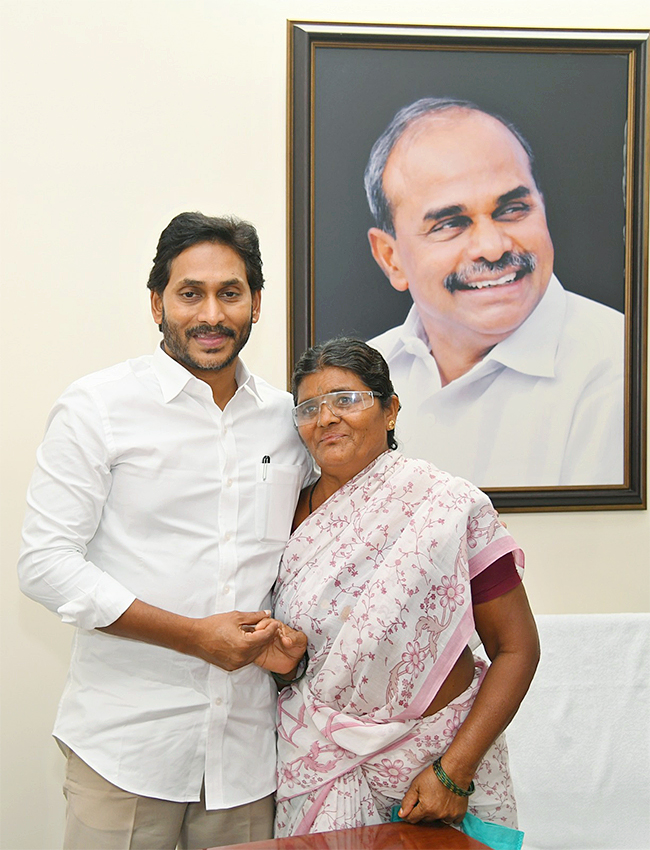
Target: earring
[{"x": 391, "y": 424}]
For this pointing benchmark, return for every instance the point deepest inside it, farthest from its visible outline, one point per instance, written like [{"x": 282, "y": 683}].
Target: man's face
[
  {"x": 207, "y": 308},
  {"x": 471, "y": 240}
]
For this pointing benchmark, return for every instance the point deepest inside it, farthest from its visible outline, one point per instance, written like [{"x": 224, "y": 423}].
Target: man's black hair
[{"x": 192, "y": 228}]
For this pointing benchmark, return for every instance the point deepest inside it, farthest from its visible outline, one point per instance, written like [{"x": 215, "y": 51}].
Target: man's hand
[
  {"x": 283, "y": 654},
  {"x": 221, "y": 640},
  {"x": 427, "y": 799},
  {"x": 218, "y": 639}
]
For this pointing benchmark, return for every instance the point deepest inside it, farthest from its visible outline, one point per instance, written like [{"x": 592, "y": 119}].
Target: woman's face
[{"x": 344, "y": 445}]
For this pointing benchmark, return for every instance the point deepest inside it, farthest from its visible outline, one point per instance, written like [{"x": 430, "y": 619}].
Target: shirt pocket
[{"x": 277, "y": 487}]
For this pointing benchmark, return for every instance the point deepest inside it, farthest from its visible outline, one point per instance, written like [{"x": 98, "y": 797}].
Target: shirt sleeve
[
  {"x": 65, "y": 500},
  {"x": 495, "y": 580}
]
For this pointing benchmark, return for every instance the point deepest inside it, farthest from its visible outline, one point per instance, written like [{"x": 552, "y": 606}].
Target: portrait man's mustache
[{"x": 521, "y": 264}]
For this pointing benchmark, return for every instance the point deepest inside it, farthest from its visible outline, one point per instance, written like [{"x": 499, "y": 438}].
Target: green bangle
[
  {"x": 449, "y": 783},
  {"x": 283, "y": 683}
]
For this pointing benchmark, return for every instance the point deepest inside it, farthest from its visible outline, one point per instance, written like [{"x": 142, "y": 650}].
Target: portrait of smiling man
[{"x": 505, "y": 377}]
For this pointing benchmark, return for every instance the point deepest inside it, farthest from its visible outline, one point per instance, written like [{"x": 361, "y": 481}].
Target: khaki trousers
[{"x": 100, "y": 816}]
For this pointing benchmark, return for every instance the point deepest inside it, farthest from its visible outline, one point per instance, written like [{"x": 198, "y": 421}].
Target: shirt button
[
  {"x": 226, "y": 589},
  {"x": 218, "y": 701},
  {"x": 227, "y": 536},
  {"x": 229, "y": 482}
]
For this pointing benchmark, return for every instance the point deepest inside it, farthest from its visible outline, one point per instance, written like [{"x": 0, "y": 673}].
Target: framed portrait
[{"x": 474, "y": 204}]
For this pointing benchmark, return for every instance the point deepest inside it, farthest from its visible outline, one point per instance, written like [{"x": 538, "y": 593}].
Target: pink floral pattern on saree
[{"x": 378, "y": 578}]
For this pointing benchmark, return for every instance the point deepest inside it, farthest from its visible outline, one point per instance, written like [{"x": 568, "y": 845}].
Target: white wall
[{"x": 117, "y": 114}]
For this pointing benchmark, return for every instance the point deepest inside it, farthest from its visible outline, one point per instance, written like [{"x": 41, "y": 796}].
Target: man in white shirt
[
  {"x": 504, "y": 377},
  {"x": 157, "y": 515}
]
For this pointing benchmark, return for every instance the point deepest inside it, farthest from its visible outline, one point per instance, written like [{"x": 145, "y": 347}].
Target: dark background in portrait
[{"x": 570, "y": 106}]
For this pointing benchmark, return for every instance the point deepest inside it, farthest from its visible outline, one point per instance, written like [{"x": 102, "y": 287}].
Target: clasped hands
[{"x": 235, "y": 639}]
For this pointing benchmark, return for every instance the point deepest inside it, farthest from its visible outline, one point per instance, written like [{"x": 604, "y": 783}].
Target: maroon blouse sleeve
[{"x": 495, "y": 580}]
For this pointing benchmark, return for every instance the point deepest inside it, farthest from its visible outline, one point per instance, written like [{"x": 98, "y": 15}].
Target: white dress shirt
[
  {"x": 543, "y": 408},
  {"x": 145, "y": 489}
]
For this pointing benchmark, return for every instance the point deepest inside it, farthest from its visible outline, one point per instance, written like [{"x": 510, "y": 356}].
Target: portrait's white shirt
[
  {"x": 145, "y": 489},
  {"x": 543, "y": 408}
]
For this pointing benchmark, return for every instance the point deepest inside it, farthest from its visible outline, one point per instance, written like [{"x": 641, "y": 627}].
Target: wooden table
[{"x": 385, "y": 836}]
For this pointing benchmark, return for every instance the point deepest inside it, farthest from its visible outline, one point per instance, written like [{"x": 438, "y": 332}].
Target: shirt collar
[
  {"x": 531, "y": 349},
  {"x": 173, "y": 377},
  {"x": 412, "y": 337},
  {"x": 247, "y": 382}
]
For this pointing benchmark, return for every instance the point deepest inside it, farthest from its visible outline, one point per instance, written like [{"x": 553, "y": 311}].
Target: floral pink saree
[{"x": 378, "y": 579}]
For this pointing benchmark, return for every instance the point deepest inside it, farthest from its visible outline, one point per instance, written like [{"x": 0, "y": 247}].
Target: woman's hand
[
  {"x": 507, "y": 629},
  {"x": 283, "y": 654},
  {"x": 427, "y": 799}
]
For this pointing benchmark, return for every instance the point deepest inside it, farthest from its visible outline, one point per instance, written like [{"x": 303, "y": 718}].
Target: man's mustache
[
  {"x": 198, "y": 330},
  {"x": 510, "y": 260}
]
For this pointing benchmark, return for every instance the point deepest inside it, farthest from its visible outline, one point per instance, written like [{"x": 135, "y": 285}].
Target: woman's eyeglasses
[{"x": 339, "y": 403}]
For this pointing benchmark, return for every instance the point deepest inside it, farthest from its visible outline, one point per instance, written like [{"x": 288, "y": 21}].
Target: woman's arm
[{"x": 507, "y": 629}]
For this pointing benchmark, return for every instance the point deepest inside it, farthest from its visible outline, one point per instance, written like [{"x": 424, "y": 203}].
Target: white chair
[{"x": 580, "y": 743}]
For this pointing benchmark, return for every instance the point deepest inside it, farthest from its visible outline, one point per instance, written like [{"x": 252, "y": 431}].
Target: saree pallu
[{"x": 378, "y": 579}]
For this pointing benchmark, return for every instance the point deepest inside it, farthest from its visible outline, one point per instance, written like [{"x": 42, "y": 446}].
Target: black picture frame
[{"x": 346, "y": 81}]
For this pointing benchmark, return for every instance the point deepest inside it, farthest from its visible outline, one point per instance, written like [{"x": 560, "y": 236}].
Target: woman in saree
[{"x": 392, "y": 567}]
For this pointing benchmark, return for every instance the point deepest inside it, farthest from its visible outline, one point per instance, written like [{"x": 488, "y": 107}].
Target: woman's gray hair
[
  {"x": 381, "y": 150},
  {"x": 354, "y": 355}
]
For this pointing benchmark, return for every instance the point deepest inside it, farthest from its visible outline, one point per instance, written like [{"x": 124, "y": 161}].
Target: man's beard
[
  {"x": 524, "y": 264},
  {"x": 177, "y": 344}
]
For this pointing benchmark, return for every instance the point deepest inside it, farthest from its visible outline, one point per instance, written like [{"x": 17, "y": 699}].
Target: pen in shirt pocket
[{"x": 266, "y": 460}]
